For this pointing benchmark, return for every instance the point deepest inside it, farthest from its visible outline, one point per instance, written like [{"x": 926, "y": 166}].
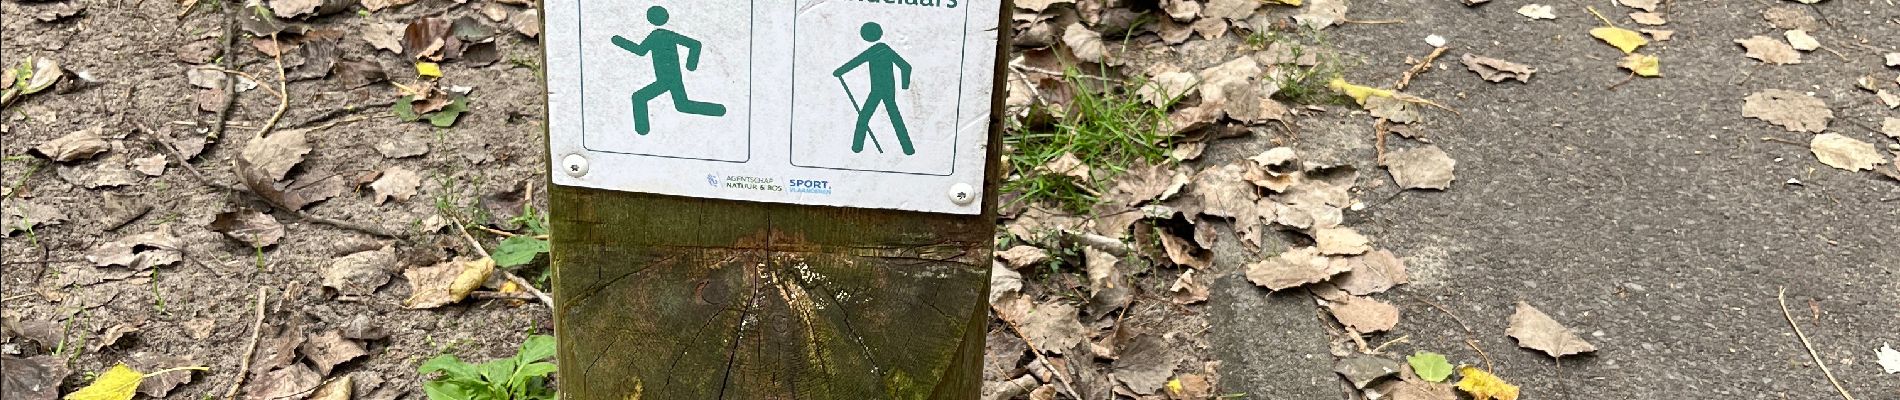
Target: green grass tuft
[{"x": 1108, "y": 129}]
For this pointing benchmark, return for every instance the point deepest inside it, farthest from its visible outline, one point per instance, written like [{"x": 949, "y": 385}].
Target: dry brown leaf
[
  {"x": 328, "y": 349},
  {"x": 1648, "y": 18},
  {"x": 80, "y": 145},
  {"x": 1146, "y": 183},
  {"x": 1020, "y": 257},
  {"x": 1537, "y": 331},
  {"x": 1645, "y": 5},
  {"x": 21, "y": 215},
  {"x": 1415, "y": 389},
  {"x": 360, "y": 273},
  {"x": 287, "y": 382},
  {"x": 1422, "y": 168},
  {"x": 1338, "y": 241},
  {"x": 33, "y": 378},
  {"x": 1182, "y": 251},
  {"x": 1789, "y": 16},
  {"x": 1182, "y": 10},
  {"x": 379, "y": 5},
  {"x": 1053, "y": 327},
  {"x": 1068, "y": 165},
  {"x": 273, "y": 156},
  {"x": 1371, "y": 273},
  {"x": 1232, "y": 10},
  {"x": 446, "y": 283},
  {"x": 1234, "y": 88},
  {"x": 1890, "y": 127},
  {"x": 253, "y": 228},
  {"x": 385, "y": 35},
  {"x": 1086, "y": 44},
  {"x": 1364, "y": 369},
  {"x": 140, "y": 252},
  {"x": 150, "y": 166},
  {"x": 1770, "y": 50},
  {"x": 1319, "y": 14},
  {"x": 1364, "y": 314},
  {"x": 1846, "y": 153},
  {"x": 396, "y": 183},
  {"x": 337, "y": 389},
  {"x": 160, "y": 385},
  {"x": 1186, "y": 290},
  {"x": 527, "y": 23},
  {"x": 1495, "y": 70},
  {"x": 1800, "y": 40},
  {"x": 1294, "y": 268},
  {"x": 1795, "y": 111},
  {"x": 1146, "y": 364},
  {"x": 1536, "y": 11},
  {"x": 1166, "y": 87},
  {"x": 1225, "y": 192}
]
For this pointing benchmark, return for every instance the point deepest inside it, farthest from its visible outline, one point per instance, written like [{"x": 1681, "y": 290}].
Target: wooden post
[{"x": 667, "y": 298}]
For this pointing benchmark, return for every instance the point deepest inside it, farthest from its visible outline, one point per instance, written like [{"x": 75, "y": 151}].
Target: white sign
[{"x": 853, "y": 103}]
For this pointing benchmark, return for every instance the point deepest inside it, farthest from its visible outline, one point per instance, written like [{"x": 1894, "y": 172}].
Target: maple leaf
[{"x": 1485, "y": 386}]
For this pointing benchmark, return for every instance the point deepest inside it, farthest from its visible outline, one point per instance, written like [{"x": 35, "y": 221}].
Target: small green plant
[
  {"x": 522, "y": 249},
  {"x": 1308, "y": 84},
  {"x": 1107, "y": 128},
  {"x": 522, "y": 377},
  {"x": 405, "y": 110}
]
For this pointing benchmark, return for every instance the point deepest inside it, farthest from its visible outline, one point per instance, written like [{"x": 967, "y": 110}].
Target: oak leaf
[{"x": 1537, "y": 331}]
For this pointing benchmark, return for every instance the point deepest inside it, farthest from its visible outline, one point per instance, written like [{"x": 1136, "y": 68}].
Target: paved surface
[{"x": 1653, "y": 218}]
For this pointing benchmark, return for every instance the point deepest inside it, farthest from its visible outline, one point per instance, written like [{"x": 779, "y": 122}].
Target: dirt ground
[{"x": 1653, "y": 219}]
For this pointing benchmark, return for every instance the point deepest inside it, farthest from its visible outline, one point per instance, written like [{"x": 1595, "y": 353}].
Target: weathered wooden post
[{"x": 772, "y": 199}]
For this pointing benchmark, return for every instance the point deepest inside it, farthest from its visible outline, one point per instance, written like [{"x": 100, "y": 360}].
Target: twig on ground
[
  {"x": 18, "y": 262},
  {"x": 1626, "y": 79},
  {"x": 1783, "y": 298},
  {"x": 1381, "y": 348},
  {"x": 283, "y": 91},
  {"x": 1379, "y": 132},
  {"x": 1473, "y": 343},
  {"x": 1421, "y": 67},
  {"x": 1372, "y": 22},
  {"x": 496, "y": 232},
  {"x": 247, "y": 75},
  {"x": 244, "y": 364},
  {"x": 226, "y": 62},
  {"x": 1470, "y": 339},
  {"x": 1060, "y": 376},
  {"x": 510, "y": 276},
  {"x": 15, "y": 297}
]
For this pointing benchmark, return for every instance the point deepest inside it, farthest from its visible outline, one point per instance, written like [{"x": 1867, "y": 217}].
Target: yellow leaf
[
  {"x": 429, "y": 69},
  {"x": 118, "y": 383},
  {"x": 1623, "y": 39},
  {"x": 1642, "y": 64},
  {"x": 472, "y": 276},
  {"x": 1295, "y": 3},
  {"x": 1174, "y": 385},
  {"x": 1484, "y": 386},
  {"x": 1356, "y": 92}
]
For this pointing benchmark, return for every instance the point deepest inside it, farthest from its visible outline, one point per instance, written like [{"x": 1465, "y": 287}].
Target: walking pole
[{"x": 855, "y": 106}]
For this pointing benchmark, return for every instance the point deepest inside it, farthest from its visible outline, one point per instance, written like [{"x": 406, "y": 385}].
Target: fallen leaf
[
  {"x": 1053, "y": 327},
  {"x": 1374, "y": 272},
  {"x": 1890, "y": 127},
  {"x": 1225, "y": 192},
  {"x": 1363, "y": 314},
  {"x": 1537, "y": 331},
  {"x": 23, "y": 216},
  {"x": 1294, "y": 268},
  {"x": 1645, "y": 5},
  {"x": 385, "y": 36},
  {"x": 273, "y": 156},
  {"x": 1234, "y": 88},
  {"x": 1194, "y": 386},
  {"x": 1495, "y": 70},
  {"x": 1362, "y": 370},
  {"x": 1321, "y": 14},
  {"x": 1485, "y": 386},
  {"x": 117, "y": 383},
  {"x": 1648, "y": 18},
  {"x": 527, "y": 23},
  {"x": 253, "y": 228},
  {"x": 1020, "y": 257},
  {"x": 79, "y": 145},
  {"x": 1231, "y": 10},
  {"x": 1846, "y": 153},
  {"x": 327, "y": 350},
  {"x": 360, "y": 273},
  {"x": 1790, "y": 16},
  {"x": 396, "y": 183},
  {"x": 150, "y": 166},
  {"x": 1623, "y": 39},
  {"x": 446, "y": 283},
  {"x": 1536, "y": 11},
  {"x": 287, "y": 382},
  {"x": 1146, "y": 364},
  {"x": 1888, "y": 358},
  {"x": 379, "y": 5},
  {"x": 159, "y": 385},
  {"x": 59, "y": 11},
  {"x": 1084, "y": 43},
  {"x": 34, "y": 378},
  {"x": 336, "y": 389},
  {"x": 1770, "y": 50},
  {"x": 1422, "y": 168},
  {"x": 1800, "y": 40},
  {"x": 1181, "y": 10},
  {"x": 1356, "y": 92},
  {"x": 1182, "y": 251},
  {"x": 1429, "y": 366},
  {"x": 1893, "y": 59},
  {"x": 1409, "y": 389},
  {"x": 1795, "y": 111},
  {"x": 1188, "y": 291},
  {"x": 1338, "y": 241},
  {"x": 1068, "y": 165},
  {"x": 1166, "y": 88},
  {"x": 1642, "y": 64},
  {"x": 139, "y": 252},
  {"x": 402, "y": 146}
]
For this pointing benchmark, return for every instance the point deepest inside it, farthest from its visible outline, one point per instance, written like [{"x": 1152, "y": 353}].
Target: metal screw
[
  {"x": 962, "y": 194},
  {"x": 575, "y": 165}
]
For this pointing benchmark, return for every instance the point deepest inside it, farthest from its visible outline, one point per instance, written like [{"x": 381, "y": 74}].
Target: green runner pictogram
[
  {"x": 880, "y": 58},
  {"x": 664, "y": 45}
]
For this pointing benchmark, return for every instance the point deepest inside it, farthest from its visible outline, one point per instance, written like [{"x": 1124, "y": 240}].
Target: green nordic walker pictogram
[
  {"x": 667, "y": 78},
  {"x": 880, "y": 58}
]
